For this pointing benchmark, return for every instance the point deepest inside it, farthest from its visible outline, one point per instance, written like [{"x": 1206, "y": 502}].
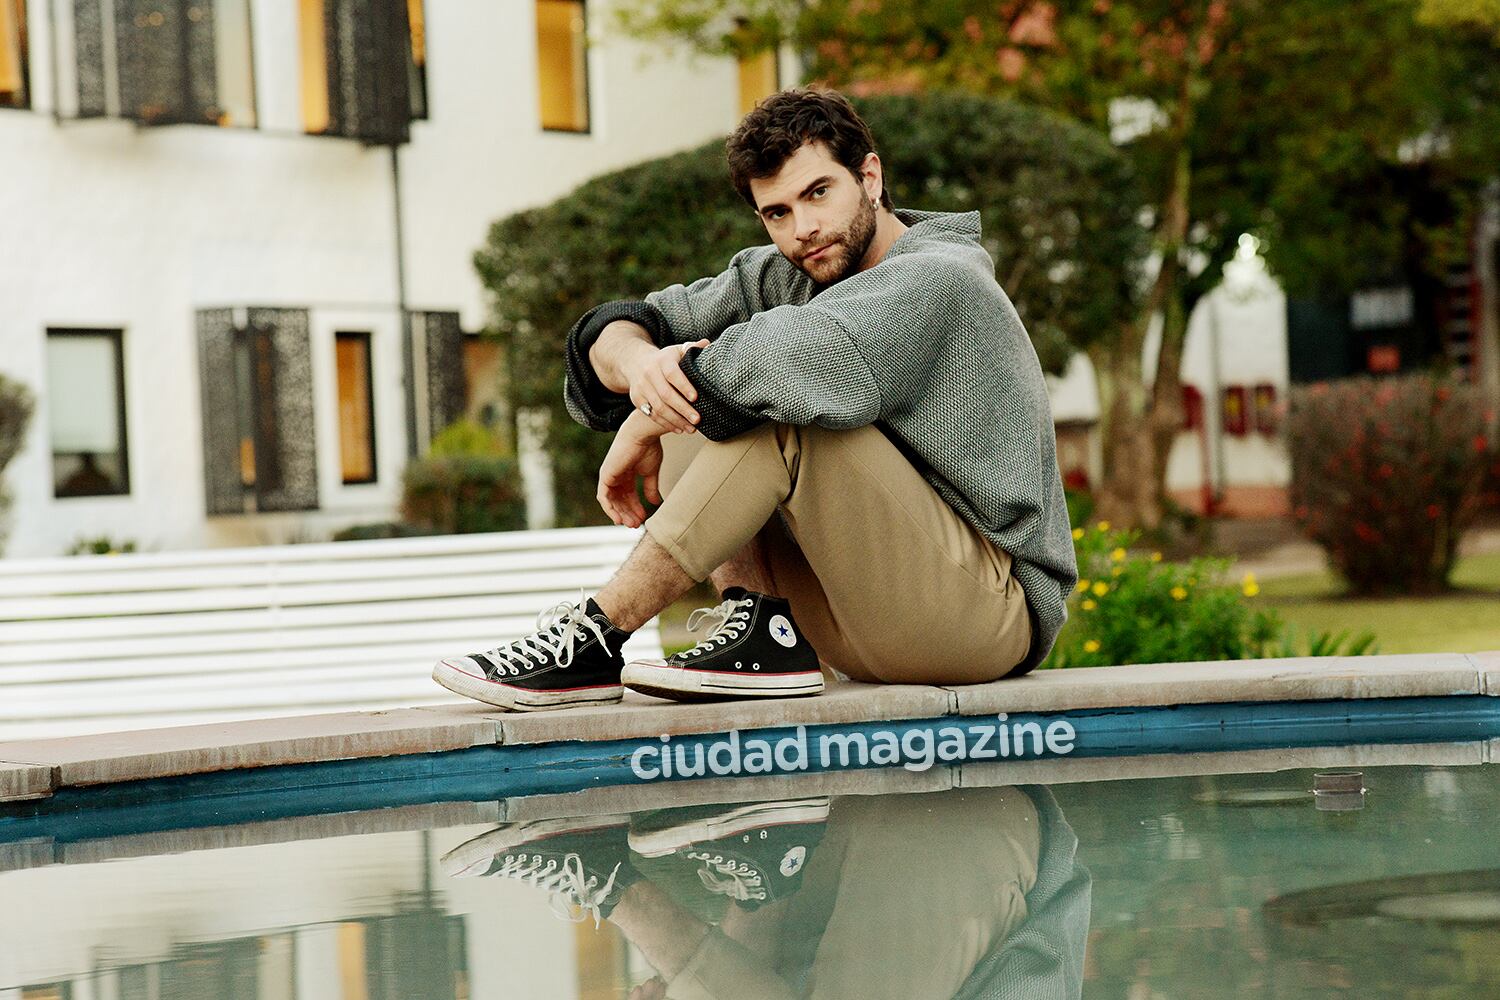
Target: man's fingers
[
  {"x": 653, "y": 493},
  {"x": 683, "y": 384},
  {"x": 682, "y": 410}
]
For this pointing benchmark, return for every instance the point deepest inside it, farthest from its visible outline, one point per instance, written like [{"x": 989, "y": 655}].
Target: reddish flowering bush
[{"x": 1386, "y": 476}]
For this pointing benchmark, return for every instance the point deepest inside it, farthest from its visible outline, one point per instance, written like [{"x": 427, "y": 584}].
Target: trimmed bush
[
  {"x": 460, "y": 494},
  {"x": 1387, "y": 475}
]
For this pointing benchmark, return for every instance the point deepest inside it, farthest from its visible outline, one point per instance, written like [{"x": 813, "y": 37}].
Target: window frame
[
  {"x": 588, "y": 92},
  {"x": 23, "y": 56},
  {"x": 117, "y": 336},
  {"x": 368, "y": 338}
]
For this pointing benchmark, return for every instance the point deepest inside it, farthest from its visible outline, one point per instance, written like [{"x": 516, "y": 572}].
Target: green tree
[
  {"x": 1290, "y": 119},
  {"x": 1057, "y": 203}
]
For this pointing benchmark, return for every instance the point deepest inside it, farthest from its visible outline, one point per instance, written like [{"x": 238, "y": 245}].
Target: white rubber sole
[
  {"x": 712, "y": 685},
  {"x": 516, "y": 699},
  {"x": 472, "y": 857},
  {"x": 656, "y": 843}
]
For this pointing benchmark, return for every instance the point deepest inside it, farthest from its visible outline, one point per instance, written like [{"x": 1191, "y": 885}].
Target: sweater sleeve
[
  {"x": 811, "y": 364},
  {"x": 757, "y": 278},
  {"x": 588, "y": 400}
]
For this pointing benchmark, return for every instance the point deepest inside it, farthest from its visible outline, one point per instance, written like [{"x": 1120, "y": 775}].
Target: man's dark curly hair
[{"x": 784, "y": 122}]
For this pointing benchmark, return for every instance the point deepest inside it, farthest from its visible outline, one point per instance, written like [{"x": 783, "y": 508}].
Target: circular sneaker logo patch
[
  {"x": 791, "y": 862},
  {"x": 781, "y": 630}
]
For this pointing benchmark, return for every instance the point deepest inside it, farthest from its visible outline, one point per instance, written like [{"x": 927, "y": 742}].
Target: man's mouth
[{"x": 819, "y": 253}]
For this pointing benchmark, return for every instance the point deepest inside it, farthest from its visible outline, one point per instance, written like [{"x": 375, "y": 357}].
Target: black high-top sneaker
[
  {"x": 754, "y": 651},
  {"x": 572, "y": 659},
  {"x": 752, "y": 853},
  {"x": 584, "y": 862}
]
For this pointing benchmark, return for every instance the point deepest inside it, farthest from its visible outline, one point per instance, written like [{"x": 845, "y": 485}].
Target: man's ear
[{"x": 872, "y": 176}]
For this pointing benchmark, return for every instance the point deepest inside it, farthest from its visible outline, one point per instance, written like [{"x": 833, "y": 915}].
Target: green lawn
[{"x": 1462, "y": 622}]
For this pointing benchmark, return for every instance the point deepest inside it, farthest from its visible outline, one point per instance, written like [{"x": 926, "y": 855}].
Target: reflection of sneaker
[
  {"x": 572, "y": 659},
  {"x": 752, "y": 853},
  {"x": 584, "y": 863},
  {"x": 754, "y": 651}
]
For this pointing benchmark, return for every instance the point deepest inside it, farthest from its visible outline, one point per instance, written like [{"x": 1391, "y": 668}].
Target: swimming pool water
[{"x": 1218, "y": 886}]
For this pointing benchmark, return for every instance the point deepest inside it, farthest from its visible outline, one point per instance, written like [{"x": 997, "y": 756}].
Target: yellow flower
[
  {"x": 1116, "y": 571},
  {"x": 1092, "y": 646},
  {"x": 1250, "y": 588},
  {"x": 1102, "y": 525},
  {"x": 1179, "y": 593},
  {"x": 1118, "y": 555},
  {"x": 1100, "y": 588},
  {"x": 1083, "y": 585},
  {"x": 1077, "y": 534},
  {"x": 1156, "y": 557},
  {"x": 1089, "y": 604}
]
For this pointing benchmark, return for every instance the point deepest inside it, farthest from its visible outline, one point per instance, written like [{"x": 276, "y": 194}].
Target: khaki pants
[
  {"x": 888, "y": 582},
  {"x": 902, "y": 898}
]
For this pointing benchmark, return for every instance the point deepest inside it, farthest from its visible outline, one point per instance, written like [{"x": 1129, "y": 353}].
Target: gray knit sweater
[{"x": 925, "y": 344}]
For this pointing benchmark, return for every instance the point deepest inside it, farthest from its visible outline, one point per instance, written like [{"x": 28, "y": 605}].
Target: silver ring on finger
[{"x": 646, "y": 409}]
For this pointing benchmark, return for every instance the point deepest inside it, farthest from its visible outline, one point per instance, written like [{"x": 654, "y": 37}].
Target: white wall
[{"x": 106, "y": 224}]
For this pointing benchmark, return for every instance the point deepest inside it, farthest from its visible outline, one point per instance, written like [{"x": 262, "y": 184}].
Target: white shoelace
[
  {"x": 729, "y": 623},
  {"x": 556, "y": 630},
  {"x": 726, "y": 877},
  {"x": 575, "y": 895}
]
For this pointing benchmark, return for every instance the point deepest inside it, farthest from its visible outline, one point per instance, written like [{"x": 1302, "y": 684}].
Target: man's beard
[{"x": 853, "y": 243}]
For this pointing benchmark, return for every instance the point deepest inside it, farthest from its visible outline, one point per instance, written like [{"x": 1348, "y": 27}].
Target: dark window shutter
[
  {"x": 369, "y": 55},
  {"x": 165, "y": 50},
  {"x": 221, "y": 431},
  {"x": 445, "y": 369},
  {"x": 286, "y": 461},
  {"x": 88, "y": 57}
]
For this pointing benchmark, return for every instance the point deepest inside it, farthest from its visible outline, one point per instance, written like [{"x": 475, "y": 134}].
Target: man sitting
[{"x": 847, "y": 431}]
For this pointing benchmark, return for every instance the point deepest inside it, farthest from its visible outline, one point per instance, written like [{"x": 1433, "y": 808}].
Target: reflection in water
[
  {"x": 1200, "y": 888},
  {"x": 964, "y": 893}
]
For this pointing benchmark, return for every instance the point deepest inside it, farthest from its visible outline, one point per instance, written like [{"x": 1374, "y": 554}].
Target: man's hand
[
  {"x": 656, "y": 381},
  {"x": 636, "y": 452}
]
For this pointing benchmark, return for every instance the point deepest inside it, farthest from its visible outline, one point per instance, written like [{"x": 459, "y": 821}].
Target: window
[
  {"x": 86, "y": 412},
  {"x": 259, "y": 448},
  {"x": 482, "y": 373},
  {"x": 562, "y": 65},
  {"x": 164, "y": 62},
  {"x": 14, "y": 72},
  {"x": 434, "y": 363},
  {"x": 759, "y": 78},
  {"x": 364, "y": 67},
  {"x": 356, "y": 409}
]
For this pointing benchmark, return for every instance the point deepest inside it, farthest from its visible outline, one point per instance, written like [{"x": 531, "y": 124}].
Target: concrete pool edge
[
  {"x": 35, "y": 769},
  {"x": 77, "y": 840}
]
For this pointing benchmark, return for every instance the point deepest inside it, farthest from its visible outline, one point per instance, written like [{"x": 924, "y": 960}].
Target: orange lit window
[
  {"x": 13, "y": 93},
  {"x": 562, "y": 65},
  {"x": 356, "y": 412}
]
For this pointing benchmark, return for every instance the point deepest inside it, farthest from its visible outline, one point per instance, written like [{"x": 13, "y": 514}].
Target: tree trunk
[{"x": 1128, "y": 495}]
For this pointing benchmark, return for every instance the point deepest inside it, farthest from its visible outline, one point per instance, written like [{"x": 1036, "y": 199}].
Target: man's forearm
[{"x": 621, "y": 343}]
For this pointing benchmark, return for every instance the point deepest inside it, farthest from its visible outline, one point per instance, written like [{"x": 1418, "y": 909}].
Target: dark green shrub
[
  {"x": 460, "y": 494},
  {"x": 1387, "y": 475},
  {"x": 16, "y": 407}
]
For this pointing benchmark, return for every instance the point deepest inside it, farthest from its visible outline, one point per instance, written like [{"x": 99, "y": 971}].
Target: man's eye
[{"x": 820, "y": 192}]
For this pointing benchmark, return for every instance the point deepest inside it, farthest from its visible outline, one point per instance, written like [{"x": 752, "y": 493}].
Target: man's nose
[{"x": 807, "y": 226}]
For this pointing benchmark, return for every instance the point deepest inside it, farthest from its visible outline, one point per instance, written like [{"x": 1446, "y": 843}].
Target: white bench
[{"x": 103, "y": 643}]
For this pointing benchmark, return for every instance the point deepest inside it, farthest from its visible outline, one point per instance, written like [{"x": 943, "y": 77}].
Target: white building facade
[{"x": 240, "y": 284}]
